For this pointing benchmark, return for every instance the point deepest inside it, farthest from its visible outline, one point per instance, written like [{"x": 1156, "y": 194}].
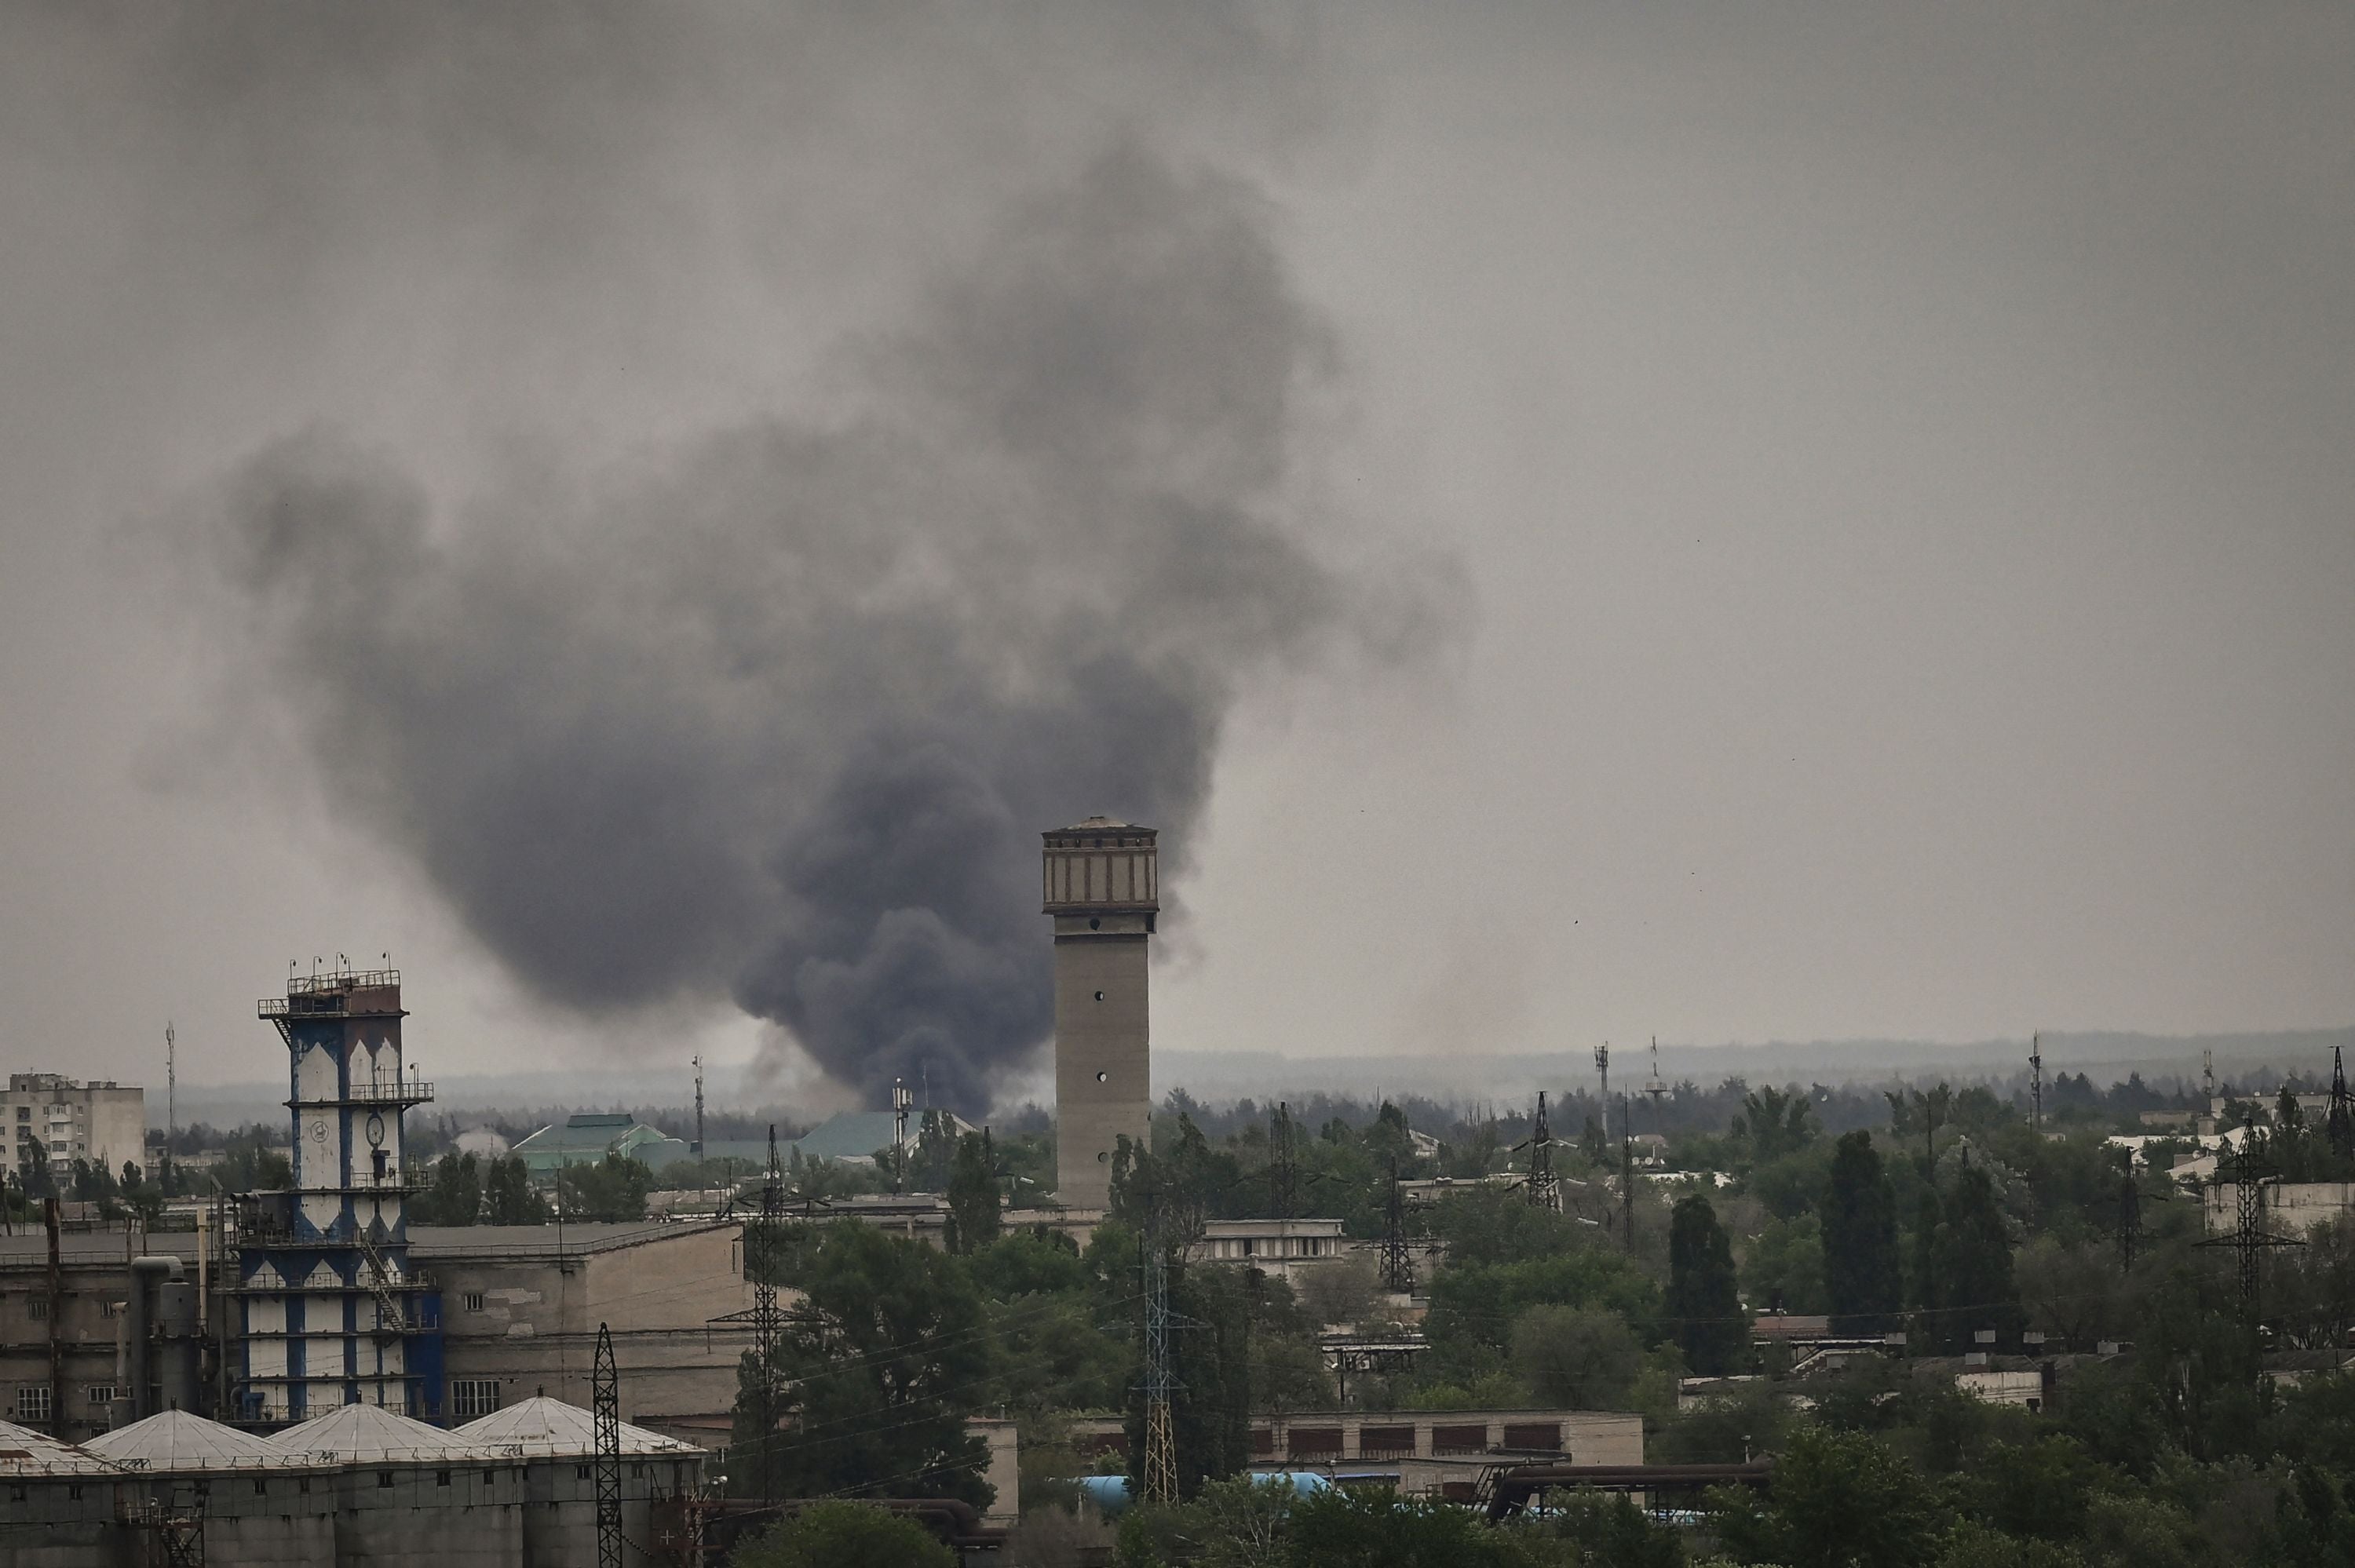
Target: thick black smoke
[{"x": 784, "y": 714}]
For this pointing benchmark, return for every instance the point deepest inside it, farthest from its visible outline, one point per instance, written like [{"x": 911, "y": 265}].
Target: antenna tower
[
  {"x": 1544, "y": 1190},
  {"x": 1603, "y": 1071},
  {"x": 698, "y": 1107},
  {"x": 2208, "y": 1077},
  {"x": 605, "y": 1405},
  {"x": 2249, "y": 1239},
  {"x": 1283, "y": 1164},
  {"x": 2036, "y": 1082},
  {"x": 1160, "y": 1376},
  {"x": 2340, "y": 1125},
  {"x": 1655, "y": 1087},
  {"x": 171, "y": 1087},
  {"x": 1397, "y": 1262}
]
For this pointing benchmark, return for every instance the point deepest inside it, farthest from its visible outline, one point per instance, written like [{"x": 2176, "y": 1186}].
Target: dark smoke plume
[{"x": 785, "y": 715}]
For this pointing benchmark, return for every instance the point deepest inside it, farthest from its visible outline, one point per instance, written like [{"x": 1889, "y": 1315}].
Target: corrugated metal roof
[
  {"x": 372, "y": 1433},
  {"x": 24, "y": 1452},
  {"x": 179, "y": 1440},
  {"x": 545, "y": 1425}
]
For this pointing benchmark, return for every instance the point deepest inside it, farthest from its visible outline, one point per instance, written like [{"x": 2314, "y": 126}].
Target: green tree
[
  {"x": 1576, "y": 1358},
  {"x": 972, "y": 1196},
  {"x": 844, "y": 1535},
  {"x": 1772, "y": 1123},
  {"x": 1784, "y": 1269},
  {"x": 1971, "y": 1260},
  {"x": 1840, "y": 1499},
  {"x": 1860, "y": 1231},
  {"x": 507, "y": 1195},
  {"x": 1337, "y": 1529},
  {"x": 878, "y": 1371},
  {"x": 454, "y": 1196},
  {"x": 1704, "y": 1306},
  {"x": 613, "y": 1189}
]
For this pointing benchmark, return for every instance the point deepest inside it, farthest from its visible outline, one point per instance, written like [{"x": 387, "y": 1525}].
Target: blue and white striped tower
[{"x": 331, "y": 1313}]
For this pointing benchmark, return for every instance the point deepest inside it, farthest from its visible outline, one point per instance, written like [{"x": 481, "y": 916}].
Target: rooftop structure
[
  {"x": 182, "y": 1441},
  {"x": 539, "y": 1427}
]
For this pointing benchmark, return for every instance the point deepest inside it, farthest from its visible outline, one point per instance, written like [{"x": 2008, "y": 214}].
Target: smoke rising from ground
[{"x": 782, "y": 713}]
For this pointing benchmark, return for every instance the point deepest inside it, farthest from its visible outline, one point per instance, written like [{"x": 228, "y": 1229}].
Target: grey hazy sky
[{"x": 1873, "y": 485}]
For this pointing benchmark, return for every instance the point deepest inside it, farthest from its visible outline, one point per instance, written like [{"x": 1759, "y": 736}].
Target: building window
[
  {"x": 101, "y": 1394},
  {"x": 580, "y": 1472},
  {"x": 33, "y": 1403},
  {"x": 441, "y": 1478},
  {"x": 111, "y": 1308},
  {"x": 38, "y": 1308},
  {"x": 261, "y": 1487},
  {"x": 472, "y": 1300},
  {"x": 473, "y": 1396},
  {"x": 384, "y": 1478}
]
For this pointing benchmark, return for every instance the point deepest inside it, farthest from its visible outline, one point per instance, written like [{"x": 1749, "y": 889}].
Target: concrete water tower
[{"x": 1103, "y": 889}]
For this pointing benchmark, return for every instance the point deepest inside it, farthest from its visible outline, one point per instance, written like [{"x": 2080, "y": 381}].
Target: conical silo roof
[
  {"x": 179, "y": 1440},
  {"x": 545, "y": 1425},
  {"x": 369, "y": 1432}
]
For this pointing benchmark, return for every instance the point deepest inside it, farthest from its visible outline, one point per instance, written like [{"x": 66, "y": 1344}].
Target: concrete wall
[
  {"x": 1103, "y": 1057},
  {"x": 560, "y": 1523},
  {"x": 450, "y": 1516},
  {"x": 1332, "y": 1437},
  {"x": 535, "y": 1328}
]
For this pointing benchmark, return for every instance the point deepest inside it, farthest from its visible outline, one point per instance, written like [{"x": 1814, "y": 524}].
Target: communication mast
[
  {"x": 1627, "y": 1174},
  {"x": 1655, "y": 1087},
  {"x": 699, "y": 1108},
  {"x": 171, "y": 1087},
  {"x": 1603, "y": 1071}
]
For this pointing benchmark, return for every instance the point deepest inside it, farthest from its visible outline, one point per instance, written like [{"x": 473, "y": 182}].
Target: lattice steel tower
[{"x": 1103, "y": 885}]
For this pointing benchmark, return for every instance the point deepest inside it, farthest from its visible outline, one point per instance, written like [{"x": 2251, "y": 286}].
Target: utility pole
[
  {"x": 1397, "y": 1262},
  {"x": 2036, "y": 1082},
  {"x": 1160, "y": 1376},
  {"x": 698, "y": 1109},
  {"x": 606, "y": 1406}
]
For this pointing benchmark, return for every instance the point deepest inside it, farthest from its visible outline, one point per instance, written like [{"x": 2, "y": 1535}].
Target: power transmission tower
[
  {"x": 1627, "y": 1174},
  {"x": 900, "y": 1103},
  {"x": 2249, "y": 1239},
  {"x": 606, "y": 1406},
  {"x": 768, "y": 1323},
  {"x": 1544, "y": 1189},
  {"x": 2340, "y": 1125},
  {"x": 699, "y": 1108},
  {"x": 2131, "y": 1232},
  {"x": 1160, "y": 1376},
  {"x": 2036, "y": 1082},
  {"x": 1397, "y": 1262},
  {"x": 1283, "y": 1164}
]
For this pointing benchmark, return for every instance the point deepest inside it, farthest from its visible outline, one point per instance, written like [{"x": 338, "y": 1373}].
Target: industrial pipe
[{"x": 136, "y": 1329}]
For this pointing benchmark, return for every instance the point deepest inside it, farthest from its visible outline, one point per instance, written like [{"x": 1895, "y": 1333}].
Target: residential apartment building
[{"x": 100, "y": 1121}]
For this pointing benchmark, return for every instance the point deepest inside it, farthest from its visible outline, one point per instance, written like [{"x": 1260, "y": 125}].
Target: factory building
[
  {"x": 1102, "y": 887},
  {"x": 102, "y": 1122},
  {"x": 330, "y": 1312},
  {"x": 359, "y": 1486}
]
